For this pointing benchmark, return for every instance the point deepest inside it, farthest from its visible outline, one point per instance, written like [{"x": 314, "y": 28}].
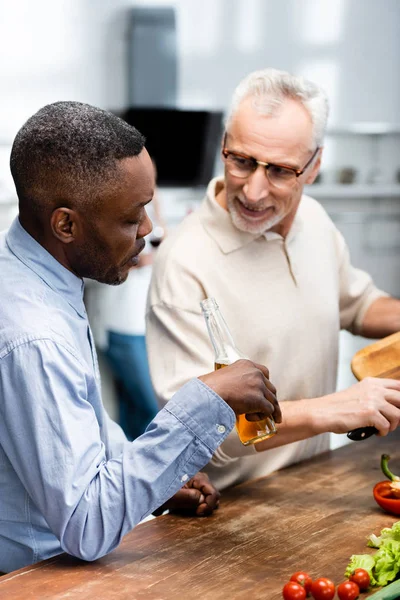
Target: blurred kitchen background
[{"x": 179, "y": 61}]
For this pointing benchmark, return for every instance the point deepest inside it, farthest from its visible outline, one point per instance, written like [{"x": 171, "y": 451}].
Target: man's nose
[
  {"x": 257, "y": 186},
  {"x": 146, "y": 227}
]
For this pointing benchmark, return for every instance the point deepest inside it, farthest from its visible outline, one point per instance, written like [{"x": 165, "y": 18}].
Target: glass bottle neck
[{"x": 221, "y": 338}]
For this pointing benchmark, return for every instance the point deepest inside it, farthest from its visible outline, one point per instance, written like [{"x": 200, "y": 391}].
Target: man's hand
[
  {"x": 198, "y": 497},
  {"x": 371, "y": 402},
  {"x": 246, "y": 387}
]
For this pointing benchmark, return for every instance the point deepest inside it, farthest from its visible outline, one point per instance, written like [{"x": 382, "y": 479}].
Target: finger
[
  {"x": 277, "y": 412},
  {"x": 212, "y": 499},
  {"x": 271, "y": 397},
  {"x": 208, "y": 491},
  {"x": 189, "y": 498},
  {"x": 393, "y": 396},
  {"x": 393, "y": 384},
  {"x": 270, "y": 393},
  {"x": 381, "y": 422},
  {"x": 265, "y": 372},
  {"x": 203, "y": 510},
  {"x": 392, "y": 414},
  {"x": 252, "y": 417},
  {"x": 199, "y": 480}
]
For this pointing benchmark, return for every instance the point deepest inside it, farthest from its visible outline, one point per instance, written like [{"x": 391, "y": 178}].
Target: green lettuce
[
  {"x": 387, "y": 533},
  {"x": 387, "y": 562},
  {"x": 384, "y": 566},
  {"x": 361, "y": 561}
]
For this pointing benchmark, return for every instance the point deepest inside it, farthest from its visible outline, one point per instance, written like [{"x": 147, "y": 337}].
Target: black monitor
[{"x": 183, "y": 143}]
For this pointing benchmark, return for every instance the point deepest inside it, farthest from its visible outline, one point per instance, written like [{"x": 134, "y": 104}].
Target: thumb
[{"x": 194, "y": 496}]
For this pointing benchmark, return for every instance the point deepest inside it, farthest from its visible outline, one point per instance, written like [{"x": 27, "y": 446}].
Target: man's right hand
[
  {"x": 371, "y": 402},
  {"x": 246, "y": 387}
]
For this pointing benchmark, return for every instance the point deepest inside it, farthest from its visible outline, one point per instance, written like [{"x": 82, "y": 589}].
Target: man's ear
[
  {"x": 315, "y": 168},
  {"x": 63, "y": 224}
]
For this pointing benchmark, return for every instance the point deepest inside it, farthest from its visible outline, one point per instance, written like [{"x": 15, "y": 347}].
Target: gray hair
[{"x": 270, "y": 87}]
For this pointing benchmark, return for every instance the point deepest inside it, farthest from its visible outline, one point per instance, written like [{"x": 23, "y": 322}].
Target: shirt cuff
[
  {"x": 202, "y": 411},
  {"x": 231, "y": 450}
]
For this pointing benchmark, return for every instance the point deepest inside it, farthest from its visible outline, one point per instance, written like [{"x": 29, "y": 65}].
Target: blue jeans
[{"x": 127, "y": 357}]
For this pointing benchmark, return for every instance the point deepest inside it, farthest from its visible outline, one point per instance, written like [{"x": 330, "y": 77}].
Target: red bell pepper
[{"x": 387, "y": 493}]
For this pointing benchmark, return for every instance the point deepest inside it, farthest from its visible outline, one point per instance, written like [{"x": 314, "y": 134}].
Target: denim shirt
[{"x": 64, "y": 484}]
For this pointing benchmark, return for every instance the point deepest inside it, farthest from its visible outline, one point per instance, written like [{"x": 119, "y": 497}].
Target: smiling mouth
[{"x": 255, "y": 213}]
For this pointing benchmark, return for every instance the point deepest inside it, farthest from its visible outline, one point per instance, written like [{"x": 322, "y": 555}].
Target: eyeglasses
[{"x": 280, "y": 176}]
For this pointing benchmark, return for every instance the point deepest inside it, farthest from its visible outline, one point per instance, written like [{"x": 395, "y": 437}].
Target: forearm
[
  {"x": 177, "y": 444},
  {"x": 89, "y": 501},
  {"x": 301, "y": 419},
  {"x": 382, "y": 318}
]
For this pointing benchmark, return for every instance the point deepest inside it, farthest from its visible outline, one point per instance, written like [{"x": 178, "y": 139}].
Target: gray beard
[{"x": 243, "y": 224}]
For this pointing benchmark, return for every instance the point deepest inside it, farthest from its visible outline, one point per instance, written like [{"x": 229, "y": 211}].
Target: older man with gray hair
[{"x": 280, "y": 271}]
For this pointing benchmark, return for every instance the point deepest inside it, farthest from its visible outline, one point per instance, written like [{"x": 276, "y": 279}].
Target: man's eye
[
  {"x": 242, "y": 162},
  {"x": 280, "y": 172}
]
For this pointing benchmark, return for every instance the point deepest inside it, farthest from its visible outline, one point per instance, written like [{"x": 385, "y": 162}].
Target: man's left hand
[{"x": 198, "y": 497}]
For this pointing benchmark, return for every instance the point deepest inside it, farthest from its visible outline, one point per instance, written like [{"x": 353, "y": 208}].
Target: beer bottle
[{"x": 250, "y": 432}]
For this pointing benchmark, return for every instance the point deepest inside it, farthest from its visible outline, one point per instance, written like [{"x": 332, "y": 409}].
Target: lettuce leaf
[
  {"x": 387, "y": 562},
  {"x": 384, "y": 566},
  {"x": 387, "y": 533},
  {"x": 361, "y": 561}
]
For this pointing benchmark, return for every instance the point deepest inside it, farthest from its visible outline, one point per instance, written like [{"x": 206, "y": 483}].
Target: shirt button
[
  {"x": 221, "y": 428},
  {"x": 184, "y": 478}
]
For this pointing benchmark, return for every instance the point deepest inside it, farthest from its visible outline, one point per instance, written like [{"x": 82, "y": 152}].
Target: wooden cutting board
[{"x": 380, "y": 359}]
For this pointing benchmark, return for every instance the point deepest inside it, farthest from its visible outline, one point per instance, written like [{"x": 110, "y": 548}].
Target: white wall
[{"x": 74, "y": 49}]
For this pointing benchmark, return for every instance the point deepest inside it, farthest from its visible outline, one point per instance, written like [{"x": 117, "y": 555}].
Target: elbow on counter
[
  {"x": 91, "y": 532},
  {"x": 88, "y": 547}
]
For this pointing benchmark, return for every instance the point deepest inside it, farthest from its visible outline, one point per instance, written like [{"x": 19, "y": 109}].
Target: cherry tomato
[
  {"x": 348, "y": 590},
  {"x": 361, "y": 578},
  {"x": 323, "y": 589},
  {"x": 293, "y": 591},
  {"x": 304, "y": 579}
]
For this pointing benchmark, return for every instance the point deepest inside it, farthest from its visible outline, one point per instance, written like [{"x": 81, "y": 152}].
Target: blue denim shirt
[{"x": 64, "y": 485}]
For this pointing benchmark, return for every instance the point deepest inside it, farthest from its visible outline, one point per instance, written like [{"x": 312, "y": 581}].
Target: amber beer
[{"x": 226, "y": 353}]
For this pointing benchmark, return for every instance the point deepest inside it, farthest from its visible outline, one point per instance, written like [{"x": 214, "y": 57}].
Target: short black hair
[{"x": 66, "y": 151}]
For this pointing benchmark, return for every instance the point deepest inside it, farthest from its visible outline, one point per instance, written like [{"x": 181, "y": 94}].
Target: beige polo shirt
[{"x": 283, "y": 300}]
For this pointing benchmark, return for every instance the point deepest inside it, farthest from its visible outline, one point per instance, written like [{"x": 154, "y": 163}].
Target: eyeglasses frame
[{"x": 297, "y": 172}]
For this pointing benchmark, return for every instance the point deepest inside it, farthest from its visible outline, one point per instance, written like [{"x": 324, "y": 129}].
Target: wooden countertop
[{"x": 311, "y": 516}]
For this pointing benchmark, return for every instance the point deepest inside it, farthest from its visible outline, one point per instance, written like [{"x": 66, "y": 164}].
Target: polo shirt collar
[
  {"x": 218, "y": 223},
  {"x": 53, "y": 273}
]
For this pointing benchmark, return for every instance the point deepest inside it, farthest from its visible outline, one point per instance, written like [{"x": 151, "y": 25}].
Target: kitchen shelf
[
  {"x": 365, "y": 128},
  {"x": 320, "y": 190}
]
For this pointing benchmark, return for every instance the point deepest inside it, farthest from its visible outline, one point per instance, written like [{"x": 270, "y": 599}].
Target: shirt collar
[
  {"x": 218, "y": 223},
  {"x": 36, "y": 258}
]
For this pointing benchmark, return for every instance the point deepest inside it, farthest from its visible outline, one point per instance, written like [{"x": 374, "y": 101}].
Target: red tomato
[
  {"x": 323, "y": 589},
  {"x": 348, "y": 590},
  {"x": 293, "y": 591},
  {"x": 361, "y": 578},
  {"x": 303, "y": 578}
]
